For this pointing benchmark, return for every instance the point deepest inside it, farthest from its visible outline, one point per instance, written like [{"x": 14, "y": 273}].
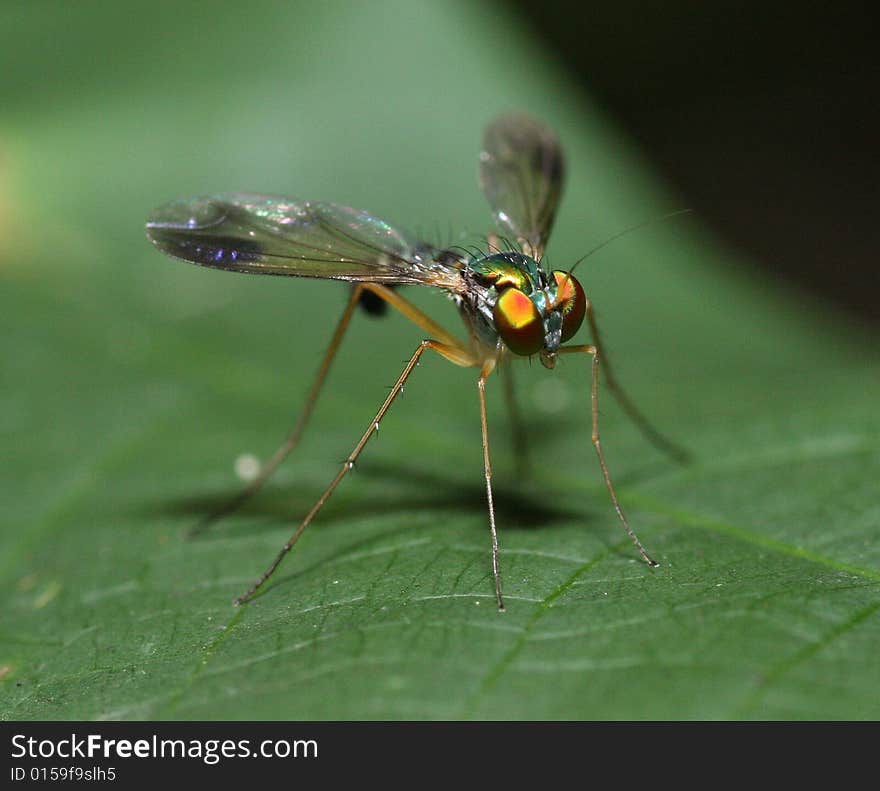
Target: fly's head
[{"x": 533, "y": 312}]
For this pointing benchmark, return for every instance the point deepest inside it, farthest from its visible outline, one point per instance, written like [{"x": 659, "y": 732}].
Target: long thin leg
[
  {"x": 487, "y": 466},
  {"x": 454, "y": 354},
  {"x": 409, "y": 310},
  {"x": 650, "y": 433},
  {"x": 594, "y": 397},
  {"x": 520, "y": 438}
]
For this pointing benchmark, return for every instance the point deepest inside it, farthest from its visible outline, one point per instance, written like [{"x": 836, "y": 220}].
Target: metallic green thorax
[{"x": 490, "y": 275}]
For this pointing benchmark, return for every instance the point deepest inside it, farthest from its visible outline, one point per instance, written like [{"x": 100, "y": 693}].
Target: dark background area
[{"x": 765, "y": 117}]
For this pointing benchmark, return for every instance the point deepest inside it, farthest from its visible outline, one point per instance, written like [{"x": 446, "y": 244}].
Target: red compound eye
[
  {"x": 518, "y": 322},
  {"x": 571, "y": 301}
]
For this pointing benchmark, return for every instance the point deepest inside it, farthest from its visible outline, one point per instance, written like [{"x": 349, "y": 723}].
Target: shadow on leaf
[{"x": 522, "y": 508}]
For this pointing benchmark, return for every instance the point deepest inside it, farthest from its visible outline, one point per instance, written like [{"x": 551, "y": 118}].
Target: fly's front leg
[
  {"x": 487, "y": 466},
  {"x": 594, "y": 398}
]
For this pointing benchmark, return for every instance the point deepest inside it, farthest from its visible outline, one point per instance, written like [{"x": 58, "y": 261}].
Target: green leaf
[{"x": 132, "y": 384}]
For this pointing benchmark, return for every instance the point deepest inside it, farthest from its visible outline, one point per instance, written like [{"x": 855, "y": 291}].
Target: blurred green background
[{"x": 132, "y": 383}]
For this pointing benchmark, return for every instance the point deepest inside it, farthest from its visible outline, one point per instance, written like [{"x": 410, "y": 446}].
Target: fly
[{"x": 511, "y": 305}]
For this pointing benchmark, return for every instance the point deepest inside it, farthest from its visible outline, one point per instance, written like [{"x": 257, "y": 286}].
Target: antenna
[{"x": 625, "y": 231}]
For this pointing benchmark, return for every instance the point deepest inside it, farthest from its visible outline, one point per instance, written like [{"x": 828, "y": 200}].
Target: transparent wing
[
  {"x": 521, "y": 175},
  {"x": 279, "y": 236}
]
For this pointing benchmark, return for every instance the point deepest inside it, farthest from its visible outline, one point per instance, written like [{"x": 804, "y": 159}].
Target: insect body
[{"x": 511, "y": 306}]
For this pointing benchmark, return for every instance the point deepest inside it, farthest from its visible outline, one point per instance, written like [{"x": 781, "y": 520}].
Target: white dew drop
[{"x": 247, "y": 467}]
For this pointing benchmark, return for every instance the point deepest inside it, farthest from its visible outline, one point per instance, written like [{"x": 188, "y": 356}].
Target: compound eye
[
  {"x": 571, "y": 302},
  {"x": 518, "y": 322}
]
